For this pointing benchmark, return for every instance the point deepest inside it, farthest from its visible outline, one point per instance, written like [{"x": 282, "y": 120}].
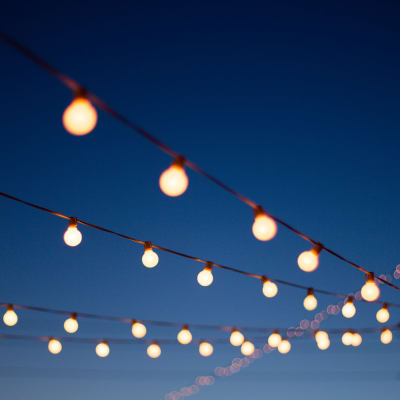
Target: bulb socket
[
  {"x": 370, "y": 277},
  {"x": 10, "y": 307},
  {"x": 147, "y": 245},
  {"x": 385, "y": 306},
  {"x": 349, "y": 300},
  {"x": 208, "y": 266},
  {"x": 73, "y": 222},
  {"x": 310, "y": 291},
  {"x": 179, "y": 161},
  {"x": 317, "y": 249},
  {"x": 80, "y": 92}
]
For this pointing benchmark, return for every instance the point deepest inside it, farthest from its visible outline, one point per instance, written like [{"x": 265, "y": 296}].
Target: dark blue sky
[{"x": 294, "y": 105}]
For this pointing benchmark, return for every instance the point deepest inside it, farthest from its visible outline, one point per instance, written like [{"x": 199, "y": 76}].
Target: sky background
[{"x": 294, "y": 105}]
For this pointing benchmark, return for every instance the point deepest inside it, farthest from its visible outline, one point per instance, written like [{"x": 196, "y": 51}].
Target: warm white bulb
[
  {"x": 269, "y": 288},
  {"x": 323, "y": 344},
  {"x": 174, "y": 181},
  {"x": 205, "y": 277},
  {"x": 347, "y": 338},
  {"x": 284, "y": 346},
  {"x": 72, "y": 236},
  {"x": 71, "y": 325},
  {"x": 138, "y": 330},
  {"x": 236, "y": 338},
  {"x": 357, "y": 339},
  {"x": 10, "y": 317},
  {"x": 184, "y": 336},
  {"x": 308, "y": 261},
  {"x": 370, "y": 291},
  {"x": 321, "y": 336},
  {"x": 150, "y": 258},
  {"x": 80, "y": 117},
  {"x": 386, "y": 336},
  {"x": 349, "y": 309},
  {"x": 274, "y": 339},
  {"x": 310, "y": 302},
  {"x": 102, "y": 349},
  {"x": 247, "y": 348},
  {"x": 383, "y": 315},
  {"x": 154, "y": 350},
  {"x": 206, "y": 349},
  {"x": 264, "y": 227},
  {"x": 54, "y": 346}
]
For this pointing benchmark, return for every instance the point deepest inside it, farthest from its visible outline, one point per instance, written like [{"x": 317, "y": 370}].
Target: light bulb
[
  {"x": 102, "y": 349},
  {"x": 370, "y": 291},
  {"x": 308, "y": 260},
  {"x": 349, "y": 309},
  {"x": 386, "y": 336},
  {"x": 150, "y": 257},
  {"x": 138, "y": 329},
  {"x": 324, "y": 344},
  {"x": 274, "y": 339},
  {"x": 264, "y": 227},
  {"x": 357, "y": 339},
  {"x": 54, "y": 346},
  {"x": 154, "y": 350},
  {"x": 310, "y": 302},
  {"x": 347, "y": 338},
  {"x": 247, "y": 348},
  {"x": 72, "y": 236},
  {"x": 284, "y": 346},
  {"x": 184, "y": 336},
  {"x": 174, "y": 181},
  {"x": 269, "y": 288},
  {"x": 80, "y": 117},
  {"x": 71, "y": 324},
  {"x": 10, "y": 317},
  {"x": 383, "y": 314},
  {"x": 205, "y": 277},
  {"x": 206, "y": 349},
  {"x": 236, "y": 338}
]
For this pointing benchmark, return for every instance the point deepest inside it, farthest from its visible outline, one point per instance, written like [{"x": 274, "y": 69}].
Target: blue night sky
[{"x": 296, "y": 106}]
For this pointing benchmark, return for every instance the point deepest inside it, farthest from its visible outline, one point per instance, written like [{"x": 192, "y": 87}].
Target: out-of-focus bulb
[
  {"x": 324, "y": 344},
  {"x": 386, "y": 336},
  {"x": 138, "y": 329},
  {"x": 206, "y": 349},
  {"x": 284, "y": 346},
  {"x": 357, "y": 339},
  {"x": 370, "y": 291},
  {"x": 274, "y": 339},
  {"x": 54, "y": 346},
  {"x": 264, "y": 227},
  {"x": 71, "y": 324},
  {"x": 308, "y": 260},
  {"x": 347, "y": 338},
  {"x": 174, "y": 181},
  {"x": 310, "y": 302},
  {"x": 80, "y": 117},
  {"x": 10, "y": 317},
  {"x": 322, "y": 339},
  {"x": 184, "y": 336},
  {"x": 247, "y": 348},
  {"x": 205, "y": 277},
  {"x": 150, "y": 257},
  {"x": 349, "y": 309},
  {"x": 383, "y": 314},
  {"x": 154, "y": 350},
  {"x": 102, "y": 349},
  {"x": 72, "y": 236},
  {"x": 269, "y": 288},
  {"x": 236, "y": 338}
]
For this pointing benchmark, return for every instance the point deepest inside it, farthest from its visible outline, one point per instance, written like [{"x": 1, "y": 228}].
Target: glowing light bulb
[
  {"x": 10, "y": 317},
  {"x": 174, "y": 181},
  {"x": 206, "y": 349},
  {"x": 386, "y": 336},
  {"x": 71, "y": 324},
  {"x": 102, "y": 349},
  {"x": 284, "y": 346},
  {"x": 324, "y": 344},
  {"x": 54, "y": 346},
  {"x": 184, "y": 336},
  {"x": 80, "y": 117},
  {"x": 274, "y": 339},
  {"x": 383, "y": 314},
  {"x": 349, "y": 309},
  {"x": 264, "y": 227},
  {"x": 150, "y": 257},
  {"x": 236, "y": 338},
  {"x": 269, "y": 288},
  {"x": 322, "y": 339},
  {"x": 347, "y": 338},
  {"x": 310, "y": 302},
  {"x": 154, "y": 350},
  {"x": 72, "y": 236},
  {"x": 138, "y": 330},
  {"x": 247, "y": 348},
  {"x": 357, "y": 339},
  {"x": 370, "y": 291},
  {"x": 205, "y": 277},
  {"x": 308, "y": 260}
]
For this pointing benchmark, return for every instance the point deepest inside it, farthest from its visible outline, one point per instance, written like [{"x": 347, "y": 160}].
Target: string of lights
[
  {"x": 80, "y": 118},
  {"x": 73, "y": 237}
]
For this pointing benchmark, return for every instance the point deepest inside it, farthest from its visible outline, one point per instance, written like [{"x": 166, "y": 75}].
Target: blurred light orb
[
  {"x": 247, "y": 348},
  {"x": 138, "y": 330},
  {"x": 347, "y": 338},
  {"x": 270, "y": 289},
  {"x": 383, "y": 315},
  {"x": 264, "y": 228},
  {"x": 71, "y": 324},
  {"x": 236, "y": 338},
  {"x": 349, "y": 309},
  {"x": 310, "y": 302},
  {"x": 10, "y": 317},
  {"x": 150, "y": 258},
  {"x": 370, "y": 291},
  {"x": 308, "y": 261},
  {"x": 174, "y": 181},
  {"x": 80, "y": 117},
  {"x": 154, "y": 350},
  {"x": 205, "y": 277},
  {"x": 357, "y": 339},
  {"x": 386, "y": 336},
  {"x": 274, "y": 339},
  {"x": 54, "y": 346},
  {"x": 324, "y": 344},
  {"x": 184, "y": 336},
  {"x": 284, "y": 346},
  {"x": 206, "y": 349},
  {"x": 102, "y": 349}
]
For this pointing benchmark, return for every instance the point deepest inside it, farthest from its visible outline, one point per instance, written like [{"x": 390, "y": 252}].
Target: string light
[
  {"x": 247, "y": 348},
  {"x": 174, "y": 181},
  {"x": 347, "y": 338},
  {"x": 150, "y": 257},
  {"x": 54, "y": 346},
  {"x": 349, "y": 309},
  {"x": 383, "y": 314},
  {"x": 308, "y": 260},
  {"x": 10, "y": 317},
  {"x": 71, "y": 324},
  {"x": 322, "y": 339},
  {"x": 269, "y": 288},
  {"x": 72, "y": 236},
  {"x": 102, "y": 349},
  {"x": 154, "y": 350},
  {"x": 274, "y": 339},
  {"x": 184, "y": 336},
  {"x": 386, "y": 336},
  {"x": 310, "y": 302},
  {"x": 205, "y": 277},
  {"x": 264, "y": 228},
  {"x": 80, "y": 117},
  {"x": 236, "y": 338},
  {"x": 138, "y": 329},
  {"x": 284, "y": 346},
  {"x": 206, "y": 349},
  {"x": 356, "y": 339},
  {"x": 370, "y": 291}
]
